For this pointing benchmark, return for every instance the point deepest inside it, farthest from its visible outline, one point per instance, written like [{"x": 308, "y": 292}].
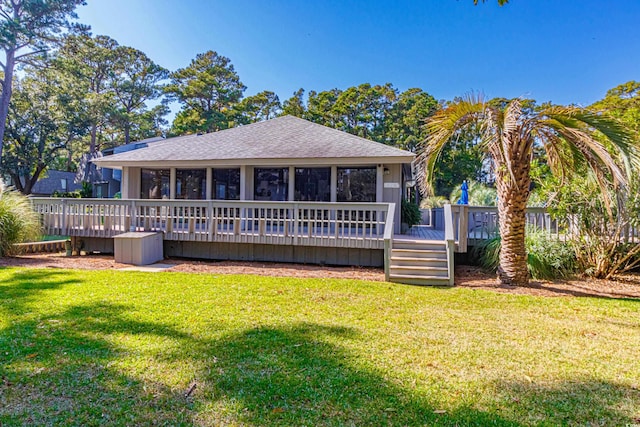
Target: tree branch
[
  {"x": 5, "y": 15},
  {"x": 24, "y": 55}
]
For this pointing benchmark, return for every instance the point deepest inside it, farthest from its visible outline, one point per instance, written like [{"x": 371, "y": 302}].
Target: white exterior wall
[{"x": 130, "y": 188}]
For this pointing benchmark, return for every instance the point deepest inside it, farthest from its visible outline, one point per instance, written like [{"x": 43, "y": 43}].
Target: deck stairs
[{"x": 420, "y": 262}]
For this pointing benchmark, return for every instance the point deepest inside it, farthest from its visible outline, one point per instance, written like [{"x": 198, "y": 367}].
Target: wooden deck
[
  {"x": 422, "y": 232},
  {"x": 340, "y": 225}
]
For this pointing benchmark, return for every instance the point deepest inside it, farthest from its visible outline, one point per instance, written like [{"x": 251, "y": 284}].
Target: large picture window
[
  {"x": 154, "y": 183},
  {"x": 271, "y": 184},
  {"x": 226, "y": 184},
  {"x": 191, "y": 184},
  {"x": 356, "y": 184},
  {"x": 313, "y": 184}
]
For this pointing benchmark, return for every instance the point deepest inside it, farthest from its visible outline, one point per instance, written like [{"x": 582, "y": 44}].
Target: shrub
[
  {"x": 547, "y": 258},
  {"x": 410, "y": 213},
  {"x": 18, "y": 221},
  {"x": 433, "y": 202},
  {"x": 86, "y": 192},
  {"x": 66, "y": 194},
  {"x": 603, "y": 236}
]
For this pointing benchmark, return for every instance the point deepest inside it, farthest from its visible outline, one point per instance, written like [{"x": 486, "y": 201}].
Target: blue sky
[{"x": 564, "y": 51}]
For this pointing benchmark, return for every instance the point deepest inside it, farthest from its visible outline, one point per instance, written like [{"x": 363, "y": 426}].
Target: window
[
  {"x": 191, "y": 184},
  {"x": 313, "y": 184},
  {"x": 154, "y": 183},
  {"x": 226, "y": 184},
  {"x": 101, "y": 190},
  {"x": 271, "y": 184},
  {"x": 356, "y": 184}
]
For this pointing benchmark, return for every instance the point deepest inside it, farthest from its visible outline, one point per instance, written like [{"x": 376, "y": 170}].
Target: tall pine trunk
[
  {"x": 93, "y": 146},
  {"x": 512, "y": 204},
  {"x": 5, "y": 97}
]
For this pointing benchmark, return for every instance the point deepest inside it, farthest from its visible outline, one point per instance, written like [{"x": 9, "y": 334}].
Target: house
[
  {"x": 284, "y": 190},
  {"x": 282, "y": 159},
  {"x": 55, "y": 181}
]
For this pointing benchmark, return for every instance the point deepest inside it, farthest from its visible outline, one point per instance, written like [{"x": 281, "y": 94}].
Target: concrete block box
[{"x": 138, "y": 248}]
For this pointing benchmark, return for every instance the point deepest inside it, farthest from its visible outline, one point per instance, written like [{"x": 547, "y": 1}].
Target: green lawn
[{"x": 123, "y": 348}]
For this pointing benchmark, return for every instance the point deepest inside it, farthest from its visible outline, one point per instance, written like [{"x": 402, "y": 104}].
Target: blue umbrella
[{"x": 464, "y": 197}]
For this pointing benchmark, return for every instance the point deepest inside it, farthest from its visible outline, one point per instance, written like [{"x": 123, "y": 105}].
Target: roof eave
[{"x": 194, "y": 164}]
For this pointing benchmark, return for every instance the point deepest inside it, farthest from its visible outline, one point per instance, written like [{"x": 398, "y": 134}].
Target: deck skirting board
[
  {"x": 276, "y": 253},
  {"x": 225, "y": 251}
]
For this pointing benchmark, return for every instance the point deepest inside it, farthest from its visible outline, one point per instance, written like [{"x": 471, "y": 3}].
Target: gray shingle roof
[
  {"x": 284, "y": 137},
  {"x": 52, "y": 182}
]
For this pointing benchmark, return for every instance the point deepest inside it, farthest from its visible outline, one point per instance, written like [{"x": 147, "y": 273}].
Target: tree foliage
[
  {"x": 89, "y": 61},
  {"x": 207, "y": 89},
  {"x": 89, "y": 95},
  {"x": 623, "y": 102},
  {"x": 377, "y": 112},
  {"x": 28, "y": 28},
  {"x": 43, "y": 120},
  {"x": 117, "y": 81},
  {"x": 134, "y": 80},
  {"x": 262, "y": 106}
]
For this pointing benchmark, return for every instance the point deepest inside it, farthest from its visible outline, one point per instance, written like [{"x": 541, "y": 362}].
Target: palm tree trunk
[{"x": 512, "y": 205}]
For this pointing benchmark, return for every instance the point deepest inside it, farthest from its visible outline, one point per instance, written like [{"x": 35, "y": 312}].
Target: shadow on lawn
[
  {"x": 68, "y": 369},
  {"x": 62, "y": 369},
  {"x": 23, "y": 287}
]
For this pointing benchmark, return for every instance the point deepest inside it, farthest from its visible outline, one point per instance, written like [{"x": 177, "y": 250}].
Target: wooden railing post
[
  {"x": 450, "y": 241},
  {"x": 133, "y": 221},
  {"x": 212, "y": 221},
  {"x": 388, "y": 238},
  {"x": 463, "y": 228},
  {"x": 63, "y": 220},
  {"x": 296, "y": 218}
]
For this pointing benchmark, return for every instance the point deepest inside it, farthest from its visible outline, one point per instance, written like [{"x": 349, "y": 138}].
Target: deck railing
[
  {"x": 356, "y": 225},
  {"x": 481, "y": 223}
]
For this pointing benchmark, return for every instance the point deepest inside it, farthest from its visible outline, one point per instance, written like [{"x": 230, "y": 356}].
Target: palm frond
[
  {"x": 615, "y": 133},
  {"x": 441, "y": 128}
]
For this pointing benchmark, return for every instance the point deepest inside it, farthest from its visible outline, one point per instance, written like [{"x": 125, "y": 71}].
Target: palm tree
[{"x": 570, "y": 136}]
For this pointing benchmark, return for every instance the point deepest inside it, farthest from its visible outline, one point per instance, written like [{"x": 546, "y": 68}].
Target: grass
[{"x": 124, "y": 348}]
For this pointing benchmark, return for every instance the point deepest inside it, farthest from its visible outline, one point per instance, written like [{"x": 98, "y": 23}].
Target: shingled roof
[{"x": 286, "y": 137}]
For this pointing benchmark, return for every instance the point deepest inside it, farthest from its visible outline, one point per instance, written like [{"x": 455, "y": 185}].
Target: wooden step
[
  {"x": 419, "y": 253},
  {"x": 423, "y": 271},
  {"x": 408, "y": 260},
  {"x": 418, "y": 241},
  {"x": 419, "y": 244},
  {"x": 411, "y": 279}
]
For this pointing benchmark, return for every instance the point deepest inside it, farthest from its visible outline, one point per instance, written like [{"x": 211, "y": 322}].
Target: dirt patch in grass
[{"x": 625, "y": 286}]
